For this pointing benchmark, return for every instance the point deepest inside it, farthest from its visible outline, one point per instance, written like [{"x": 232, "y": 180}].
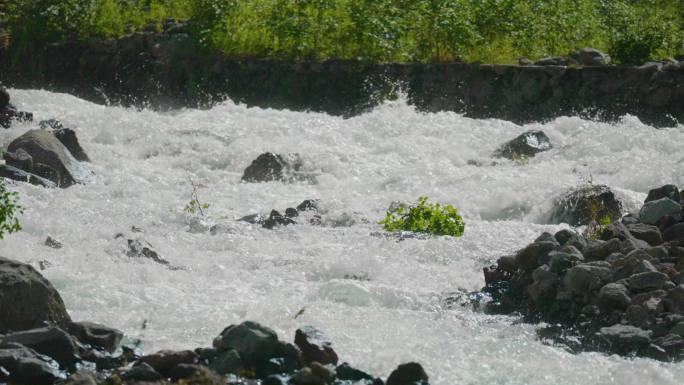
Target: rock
[
  {"x": 276, "y": 379},
  {"x": 81, "y": 377},
  {"x": 27, "y": 367},
  {"x": 164, "y": 361},
  {"x": 582, "y": 205},
  {"x": 526, "y": 145},
  {"x": 50, "y": 341},
  {"x": 227, "y": 362},
  {"x": 614, "y": 296},
  {"x": 315, "y": 346},
  {"x": 591, "y": 57},
  {"x": 407, "y": 374},
  {"x": 674, "y": 300},
  {"x": 532, "y": 254},
  {"x": 550, "y": 61},
  {"x": 269, "y": 167},
  {"x": 291, "y": 212},
  {"x": 653, "y": 210},
  {"x": 625, "y": 338},
  {"x": 585, "y": 277},
  {"x": 192, "y": 371},
  {"x": 570, "y": 238},
  {"x": 523, "y": 61},
  {"x": 544, "y": 284},
  {"x": 254, "y": 342},
  {"x": 141, "y": 372},
  {"x": 307, "y": 377},
  {"x": 14, "y": 173},
  {"x": 50, "y": 159},
  {"x": 96, "y": 335},
  {"x": 632, "y": 263},
  {"x": 308, "y": 205},
  {"x": 286, "y": 359},
  {"x": 347, "y": 373},
  {"x": 668, "y": 191},
  {"x": 648, "y": 233},
  {"x": 27, "y": 299},
  {"x": 53, "y": 243},
  {"x": 674, "y": 232},
  {"x": 10, "y": 114},
  {"x": 276, "y": 219},
  {"x": 4, "y": 98},
  {"x": 323, "y": 372},
  {"x": 561, "y": 261},
  {"x": 140, "y": 248},
  {"x": 651, "y": 280},
  {"x": 67, "y": 136},
  {"x": 599, "y": 251}
]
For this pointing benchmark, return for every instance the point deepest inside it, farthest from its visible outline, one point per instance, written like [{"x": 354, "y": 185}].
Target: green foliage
[
  {"x": 194, "y": 206},
  {"x": 9, "y": 210},
  {"x": 596, "y": 228},
  {"x": 495, "y": 31},
  {"x": 425, "y": 217}
]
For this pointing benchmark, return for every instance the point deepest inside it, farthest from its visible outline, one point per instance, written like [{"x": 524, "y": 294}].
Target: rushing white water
[{"x": 143, "y": 160}]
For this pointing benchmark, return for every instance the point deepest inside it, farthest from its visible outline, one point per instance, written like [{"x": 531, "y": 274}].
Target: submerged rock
[
  {"x": 269, "y": 167},
  {"x": 315, "y": 346},
  {"x": 526, "y": 145},
  {"x": 251, "y": 340},
  {"x": 27, "y": 299},
  {"x": 580, "y": 206},
  {"x": 97, "y": 335},
  {"x": 408, "y": 374},
  {"x": 14, "y": 173}
]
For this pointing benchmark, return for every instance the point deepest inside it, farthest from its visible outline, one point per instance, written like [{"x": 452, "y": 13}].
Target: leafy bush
[
  {"x": 424, "y": 217},
  {"x": 9, "y": 209}
]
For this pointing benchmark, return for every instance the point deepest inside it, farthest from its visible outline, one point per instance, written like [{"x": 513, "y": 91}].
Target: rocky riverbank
[{"x": 169, "y": 69}]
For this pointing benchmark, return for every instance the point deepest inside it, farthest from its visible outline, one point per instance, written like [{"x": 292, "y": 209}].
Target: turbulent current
[{"x": 381, "y": 301}]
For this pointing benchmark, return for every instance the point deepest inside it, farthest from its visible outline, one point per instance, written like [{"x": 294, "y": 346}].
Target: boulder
[
  {"x": 534, "y": 253},
  {"x": 346, "y": 372},
  {"x": 67, "y": 136},
  {"x": 585, "y": 204},
  {"x": 4, "y": 98},
  {"x": 9, "y": 114},
  {"x": 276, "y": 219},
  {"x": 50, "y": 341},
  {"x": 315, "y": 346},
  {"x": 584, "y": 278},
  {"x": 27, "y": 299},
  {"x": 408, "y": 374},
  {"x": 526, "y": 145},
  {"x": 165, "y": 360},
  {"x": 625, "y": 338},
  {"x": 227, "y": 362},
  {"x": 81, "y": 377},
  {"x": 254, "y": 342},
  {"x": 674, "y": 232},
  {"x": 50, "y": 159},
  {"x": 674, "y": 300},
  {"x": 17, "y": 174},
  {"x": 591, "y": 57},
  {"x": 140, "y": 248},
  {"x": 651, "y": 280},
  {"x": 614, "y": 295},
  {"x": 190, "y": 371},
  {"x": 653, "y": 210},
  {"x": 100, "y": 336},
  {"x": 648, "y": 233},
  {"x": 27, "y": 367},
  {"x": 287, "y": 358},
  {"x": 668, "y": 191},
  {"x": 551, "y": 61},
  {"x": 141, "y": 372},
  {"x": 269, "y": 167}
]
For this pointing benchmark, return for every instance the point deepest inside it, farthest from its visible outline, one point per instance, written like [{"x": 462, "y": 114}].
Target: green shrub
[
  {"x": 9, "y": 209},
  {"x": 424, "y": 217}
]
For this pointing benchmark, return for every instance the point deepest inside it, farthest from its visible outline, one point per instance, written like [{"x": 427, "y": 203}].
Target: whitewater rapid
[{"x": 398, "y": 312}]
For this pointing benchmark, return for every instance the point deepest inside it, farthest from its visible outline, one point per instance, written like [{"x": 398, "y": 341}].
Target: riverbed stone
[
  {"x": 585, "y": 277},
  {"x": 226, "y": 362},
  {"x": 50, "y": 341},
  {"x": 164, "y": 361},
  {"x": 667, "y": 191},
  {"x": 141, "y": 372},
  {"x": 269, "y": 167},
  {"x": 408, "y": 374},
  {"x": 674, "y": 300},
  {"x": 251, "y": 340},
  {"x": 27, "y": 299},
  {"x": 315, "y": 346},
  {"x": 625, "y": 338},
  {"x": 27, "y": 367},
  {"x": 647, "y": 233},
  {"x": 653, "y": 210},
  {"x": 578, "y": 206},
  {"x": 14, "y": 173},
  {"x": 614, "y": 295},
  {"x": 651, "y": 280},
  {"x": 525, "y": 145},
  {"x": 529, "y": 257},
  {"x": 97, "y": 335},
  {"x": 674, "y": 232}
]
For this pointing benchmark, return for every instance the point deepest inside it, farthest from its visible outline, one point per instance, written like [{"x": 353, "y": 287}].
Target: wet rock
[
  {"x": 667, "y": 191},
  {"x": 562, "y": 260},
  {"x": 591, "y": 57},
  {"x": 408, "y": 374},
  {"x": 254, "y": 342},
  {"x": 140, "y": 248},
  {"x": 193, "y": 371},
  {"x": 570, "y": 238},
  {"x": 323, "y": 372},
  {"x": 526, "y": 145},
  {"x": 674, "y": 232},
  {"x": 165, "y": 360},
  {"x": 315, "y": 346},
  {"x": 269, "y": 167},
  {"x": 674, "y": 300},
  {"x": 227, "y": 362},
  {"x": 276, "y": 379},
  {"x": 287, "y": 358},
  {"x": 347, "y": 373},
  {"x": 551, "y": 61},
  {"x": 81, "y": 377},
  {"x": 93, "y": 334},
  {"x": 614, "y": 295},
  {"x": 582, "y": 205},
  {"x": 50, "y": 341},
  {"x": 53, "y": 243},
  {"x": 19, "y": 175},
  {"x": 27, "y": 367},
  {"x": 4, "y": 98},
  {"x": 141, "y": 372},
  {"x": 625, "y": 338},
  {"x": 308, "y": 205},
  {"x": 583, "y": 278},
  {"x": 276, "y": 219},
  {"x": 531, "y": 256},
  {"x": 9, "y": 114},
  {"x": 654, "y": 210},
  {"x": 50, "y": 159},
  {"x": 27, "y": 299},
  {"x": 67, "y": 136},
  {"x": 652, "y": 280},
  {"x": 599, "y": 250},
  {"x": 647, "y": 233},
  {"x": 307, "y": 377}
]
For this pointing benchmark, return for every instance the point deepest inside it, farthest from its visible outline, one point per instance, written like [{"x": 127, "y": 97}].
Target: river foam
[{"x": 397, "y": 312}]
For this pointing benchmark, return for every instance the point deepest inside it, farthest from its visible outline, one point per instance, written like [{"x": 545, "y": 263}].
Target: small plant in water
[
  {"x": 424, "y": 217},
  {"x": 194, "y": 206},
  {"x": 9, "y": 209},
  {"x": 596, "y": 224}
]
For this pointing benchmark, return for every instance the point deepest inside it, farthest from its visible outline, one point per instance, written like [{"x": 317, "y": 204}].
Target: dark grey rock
[
  {"x": 286, "y": 359},
  {"x": 141, "y": 372},
  {"x": 674, "y": 300},
  {"x": 614, "y": 295},
  {"x": 269, "y": 167},
  {"x": 561, "y": 261},
  {"x": 551, "y": 61},
  {"x": 324, "y": 372},
  {"x": 276, "y": 219},
  {"x": 315, "y": 346},
  {"x": 139, "y": 248},
  {"x": 625, "y": 338},
  {"x": 27, "y": 367},
  {"x": 252, "y": 341},
  {"x": 652, "y": 280},
  {"x": 528, "y": 144},
  {"x": 67, "y": 136},
  {"x": 591, "y": 57},
  {"x": 53, "y": 243},
  {"x": 227, "y": 362},
  {"x": 308, "y": 205},
  {"x": 530, "y": 256},
  {"x": 81, "y": 377},
  {"x": 347, "y": 373},
  {"x": 50, "y": 158},
  {"x": 648, "y": 233},
  {"x": 189, "y": 371},
  {"x": 93, "y": 334},
  {"x": 19, "y": 175},
  {"x": 600, "y": 250},
  {"x": 653, "y": 210},
  {"x": 165, "y": 360},
  {"x": 581, "y": 205},
  {"x": 668, "y": 191},
  {"x": 50, "y": 341},
  {"x": 674, "y": 232},
  {"x": 583, "y": 278},
  {"x": 27, "y": 299},
  {"x": 407, "y": 374},
  {"x": 306, "y": 377}
]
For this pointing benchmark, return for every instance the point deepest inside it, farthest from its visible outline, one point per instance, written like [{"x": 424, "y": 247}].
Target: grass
[
  {"x": 424, "y": 217},
  {"x": 492, "y": 31}
]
